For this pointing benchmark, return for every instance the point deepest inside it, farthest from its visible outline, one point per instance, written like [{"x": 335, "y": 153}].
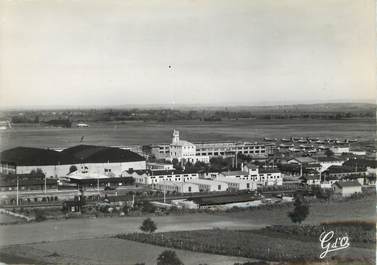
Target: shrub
[
  {"x": 40, "y": 216},
  {"x": 148, "y": 226},
  {"x": 300, "y": 212},
  {"x": 168, "y": 257}
]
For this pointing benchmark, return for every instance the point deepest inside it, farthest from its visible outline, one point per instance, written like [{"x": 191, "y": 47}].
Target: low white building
[
  {"x": 270, "y": 177},
  {"x": 243, "y": 175},
  {"x": 159, "y": 166},
  {"x": 179, "y": 187},
  {"x": 210, "y": 185},
  {"x": 346, "y": 188},
  {"x": 358, "y": 152},
  {"x": 338, "y": 150},
  {"x": 238, "y": 184},
  {"x": 152, "y": 177}
]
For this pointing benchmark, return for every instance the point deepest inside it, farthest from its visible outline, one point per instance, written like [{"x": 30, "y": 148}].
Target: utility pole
[
  {"x": 98, "y": 185},
  {"x": 45, "y": 188},
  {"x": 17, "y": 196}
]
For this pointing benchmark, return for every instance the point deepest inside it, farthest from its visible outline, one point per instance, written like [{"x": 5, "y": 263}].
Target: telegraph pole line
[{"x": 17, "y": 196}]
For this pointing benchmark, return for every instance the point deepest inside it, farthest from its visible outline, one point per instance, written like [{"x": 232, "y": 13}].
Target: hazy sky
[{"x": 119, "y": 52}]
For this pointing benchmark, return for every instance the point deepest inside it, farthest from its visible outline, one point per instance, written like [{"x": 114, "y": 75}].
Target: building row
[{"x": 248, "y": 178}]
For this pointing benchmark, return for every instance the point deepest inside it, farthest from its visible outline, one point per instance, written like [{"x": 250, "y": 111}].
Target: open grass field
[
  {"x": 7, "y": 219},
  {"x": 84, "y": 228},
  {"x": 128, "y": 133}
]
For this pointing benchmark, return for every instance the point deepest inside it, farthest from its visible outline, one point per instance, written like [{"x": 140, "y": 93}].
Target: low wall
[{"x": 16, "y": 214}]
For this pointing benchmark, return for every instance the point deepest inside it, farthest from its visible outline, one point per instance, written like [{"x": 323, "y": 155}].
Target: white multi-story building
[
  {"x": 227, "y": 149},
  {"x": 193, "y": 152}
]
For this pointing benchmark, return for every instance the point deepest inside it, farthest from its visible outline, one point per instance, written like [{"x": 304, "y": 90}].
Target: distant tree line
[{"x": 205, "y": 115}]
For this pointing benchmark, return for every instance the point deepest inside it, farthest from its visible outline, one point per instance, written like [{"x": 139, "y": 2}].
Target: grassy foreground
[{"x": 276, "y": 243}]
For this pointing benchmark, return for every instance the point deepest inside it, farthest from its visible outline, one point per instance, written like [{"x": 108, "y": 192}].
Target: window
[
  {"x": 219, "y": 187},
  {"x": 189, "y": 189}
]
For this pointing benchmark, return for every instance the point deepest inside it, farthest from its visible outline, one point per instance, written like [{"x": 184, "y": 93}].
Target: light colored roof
[
  {"x": 304, "y": 159},
  {"x": 235, "y": 173},
  {"x": 78, "y": 175},
  {"x": 205, "y": 182},
  {"x": 345, "y": 184},
  {"x": 183, "y": 143},
  {"x": 232, "y": 180},
  {"x": 175, "y": 184},
  {"x": 329, "y": 159}
]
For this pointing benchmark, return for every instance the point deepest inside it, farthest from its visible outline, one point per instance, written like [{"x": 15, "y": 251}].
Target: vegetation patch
[{"x": 277, "y": 243}]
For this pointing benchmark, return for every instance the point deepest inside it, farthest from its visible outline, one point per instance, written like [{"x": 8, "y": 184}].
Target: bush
[
  {"x": 148, "y": 226},
  {"x": 168, "y": 257},
  {"x": 40, "y": 216}
]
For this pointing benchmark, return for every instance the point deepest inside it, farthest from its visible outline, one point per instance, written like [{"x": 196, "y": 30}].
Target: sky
[{"x": 214, "y": 52}]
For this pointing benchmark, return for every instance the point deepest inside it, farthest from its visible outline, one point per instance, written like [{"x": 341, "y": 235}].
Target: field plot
[
  {"x": 106, "y": 251},
  {"x": 260, "y": 244}
]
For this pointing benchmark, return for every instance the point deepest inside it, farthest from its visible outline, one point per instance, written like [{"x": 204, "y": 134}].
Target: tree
[
  {"x": 72, "y": 168},
  {"x": 329, "y": 153},
  {"x": 148, "y": 226},
  {"x": 300, "y": 212},
  {"x": 168, "y": 257}
]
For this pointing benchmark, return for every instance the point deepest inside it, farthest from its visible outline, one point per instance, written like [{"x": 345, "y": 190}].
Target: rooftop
[
  {"x": 304, "y": 160},
  {"x": 235, "y": 173},
  {"x": 30, "y": 156},
  {"x": 347, "y": 184}
]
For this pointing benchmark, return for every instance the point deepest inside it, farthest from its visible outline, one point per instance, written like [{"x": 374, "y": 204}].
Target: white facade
[
  {"x": 210, "y": 185},
  {"x": 346, "y": 189},
  {"x": 338, "y": 150},
  {"x": 160, "y": 166},
  {"x": 184, "y": 150},
  {"x": 154, "y": 177},
  {"x": 227, "y": 149},
  {"x": 238, "y": 184},
  {"x": 180, "y": 187},
  {"x": 202, "y": 152},
  {"x": 270, "y": 178},
  {"x": 55, "y": 171}
]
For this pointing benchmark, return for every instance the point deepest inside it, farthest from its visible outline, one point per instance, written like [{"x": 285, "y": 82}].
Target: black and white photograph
[{"x": 188, "y": 132}]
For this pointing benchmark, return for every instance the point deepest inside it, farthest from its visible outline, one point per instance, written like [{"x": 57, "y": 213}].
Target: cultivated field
[
  {"x": 127, "y": 133},
  {"x": 105, "y": 251},
  {"x": 259, "y": 244}
]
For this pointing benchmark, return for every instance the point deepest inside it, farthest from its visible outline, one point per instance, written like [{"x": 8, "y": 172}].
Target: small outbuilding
[{"x": 346, "y": 188}]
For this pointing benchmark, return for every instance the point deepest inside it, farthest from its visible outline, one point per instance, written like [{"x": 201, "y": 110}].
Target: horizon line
[{"x": 191, "y": 105}]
